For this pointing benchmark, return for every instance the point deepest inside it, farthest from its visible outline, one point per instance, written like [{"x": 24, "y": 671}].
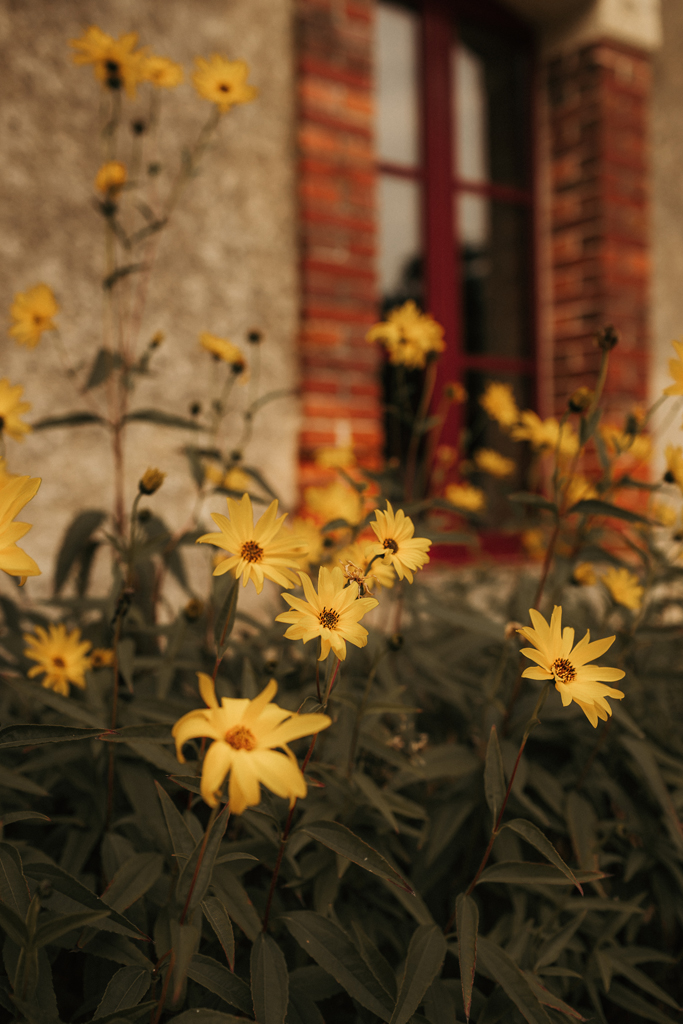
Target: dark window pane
[
  {"x": 396, "y": 77},
  {"x": 491, "y": 82},
  {"x": 495, "y": 247},
  {"x": 400, "y": 240}
]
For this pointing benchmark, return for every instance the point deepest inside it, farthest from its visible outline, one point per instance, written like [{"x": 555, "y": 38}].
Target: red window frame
[{"x": 443, "y": 293}]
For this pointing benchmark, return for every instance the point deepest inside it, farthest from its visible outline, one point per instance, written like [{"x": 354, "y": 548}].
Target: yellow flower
[
  {"x": 255, "y": 553},
  {"x": 396, "y": 542},
  {"x": 408, "y": 335},
  {"x": 101, "y": 657},
  {"x": 333, "y": 613},
  {"x": 15, "y": 492},
  {"x": 584, "y": 573},
  {"x": 578, "y": 489},
  {"x": 221, "y": 348},
  {"x": 236, "y": 479},
  {"x": 466, "y": 497},
  {"x": 62, "y": 656},
  {"x": 618, "y": 442},
  {"x": 161, "y": 72},
  {"x": 545, "y": 433},
  {"x": 625, "y": 588},
  {"x": 341, "y": 457},
  {"x": 663, "y": 513},
  {"x": 223, "y": 81},
  {"x": 490, "y": 461},
  {"x": 535, "y": 543},
  {"x": 674, "y": 465},
  {"x": 150, "y": 481},
  {"x": 305, "y": 532},
  {"x": 676, "y": 371},
  {"x": 556, "y": 658},
  {"x": 244, "y": 734},
  {"x": 355, "y": 560},
  {"x": 499, "y": 402},
  {"x": 32, "y": 312},
  {"x": 111, "y": 177},
  {"x": 337, "y": 500},
  {"x": 11, "y": 408},
  {"x": 455, "y": 392},
  {"x": 115, "y": 62}
]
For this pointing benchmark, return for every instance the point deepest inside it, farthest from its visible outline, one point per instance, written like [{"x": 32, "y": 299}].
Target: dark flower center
[
  {"x": 113, "y": 69},
  {"x": 329, "y": 618},
  {"x": 223, "y": 87},
  {"x": 240, "y": 738},
  {"x": 391, "y": 545},
  {"x": 59, "y": 662},
  {"x": 563, "y": 670},
  {"x": 2, "y": 422},
  {"x": 251, "y": 552}
]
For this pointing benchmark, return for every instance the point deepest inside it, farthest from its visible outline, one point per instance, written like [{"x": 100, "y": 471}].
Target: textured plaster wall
[
  {"x": 667, "y": 211},
  {"x": 227, "y": 262}
]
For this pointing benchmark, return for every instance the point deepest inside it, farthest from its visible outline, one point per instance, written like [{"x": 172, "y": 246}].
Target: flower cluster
[{"x": 409, "y": 336}]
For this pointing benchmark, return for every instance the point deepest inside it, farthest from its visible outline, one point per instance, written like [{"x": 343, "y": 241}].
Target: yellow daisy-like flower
[
  {"x": 337, "y": 500},
  {"x": 584, "y": 573},
  {"x": 466, "y": 497},
  {"x": 32, "y": 312},
  {"x": 535, "y": 543},
  {"x": 221, "y": 348},
  {"x": 674, "y": 465},
  {"x": 676, "y": 371},
  {"x": 556, "y": 658},
  {"x": 663, "y": 513},
  {"x": 492, "y": 462},
  {"x": 255, "y": 553},
  {"x": 116, "y": 65},
  {"x": 101, "y": 657},
  {"x": 161, "y": 72},
  {"x": 355, "y": 560},
  {"x": 62, "y": 656},
  {"x": 223, "y": 81},
  {"x": 408, "y": 335},
  {"x": 625, "y": 588},
  {"x": 618, "y": 442},
  {"x": 11, "y": 408},
  {"x": 400, "y": 548},
  {"x": 15, "y": 492},
  {"x": 578, "y": 489},
  {"x": 244, "y": 734},
  {"x": 333, "y": 613},
  {"x": 236, "y": 479},
  {"x": 545, "y": 433},
  {"x": 305, "y": 532},
  {"x": 111, "y": 177},
  {"x": 499, "y": 402},
  {"x": 341, "y": 457}
]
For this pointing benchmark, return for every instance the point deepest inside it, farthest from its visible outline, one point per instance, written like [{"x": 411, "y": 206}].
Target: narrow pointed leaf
[
  {"x": 223, "y": 983},
  {"x": 65, "y": 883},
  {"x": 631, "y": 1001},
  {"x": 9, "y": 819},
  {"x": 126, "y": 989},
  {"x": 533, "y": 835},
  {"x": 438, "y": 1004},
  {"x": 13, "y": 925},
  {"x": 269, "y": 980},
  {"x": 219, "y": 919},
  {"x": 380, "y": 967},
  {"x": 467, "y": 926},
  {"x": 208, "y": 857},
  {"x": 32, "y": 735},
  {"x": 14, "y": 889},
  {"x": 426, "y": 954},
  {"x": 521, "y": 872},
  {"x": 181, "y": 838},
  {"x": 548, "y": 998},
  {"x": 494, "y": 775},
  {"x": 20, "y": 783},
  {"x": 163, "y": 419},
  {"x": 503, "y": 969},
  {"x": 132, "y": 880},
  {"x": 235, "y": 898},
  {"x": 555, "y": 945},
  {"x": 53, "y": 930},
  {"x": 344, "y": 842}
]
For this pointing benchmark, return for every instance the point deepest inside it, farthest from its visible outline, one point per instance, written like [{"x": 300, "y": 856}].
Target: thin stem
[
  {"x": 157, "y": 1011},
  {"x": 417, "y": 431},
  {"x": 112, "y": 721},
  {"x": 200, "y": 858},
  {"x": 360, "y": 712}
]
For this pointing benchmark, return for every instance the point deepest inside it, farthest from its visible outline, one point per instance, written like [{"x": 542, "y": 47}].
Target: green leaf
[
  {"x": 65, "y": 883},
  {"x": 18, "y": 782},
  {"x": 53, "y": 930},
  {"x": 181, "y": 838},
  {"x": 32, "y": 735},
  {"x": 548, "y": 998},
  {"x": 344, "y": 842},
  {"x": 13, "y": 925},
  {"x": 554, "y": 946},
  {"x": 75, "y": 542},
  {"x": 637, "y": 977},
  {"x": 595, "y": 507},
  {"x": 631, "y": 1001},
  {"x": 208, "y": 856},
  {"x": 234, "y": 897},
  {"x": 375, "y": 797},
  {"x": 503, "y": 969},
  {"x": 73, "y": 419},
  {"x": 467, "y": 926},
  {"x": 66, "y": 706},
  {"x": 203, "y": 1016},
  {"x": 269, "y": 980},
  {"x": 104, "y": 364},
  {"x": 132, "y": 880},
  {"x": 426, "y": 954},
  {"x": 14, "y": 889},
  {"x": 642, "y": 753},
  {"x": 521, "y": 872},
  {"x": 536, "y": 500},
  {"x": 219, "y": 919},
  {"x": 533, "y": 835},
  {"x": 162, "y": 419},
  {"x": 118, "y": 949},
  {"x": 223, "y": 983},
  {"x": 327, "y": 944},
  {"x": 120, "y": 272},
  {"x": 8, "y": 819},
  {"x": 438, "y": 1004},
  {"x": 126, "y": 989},
  {"x": 225, "y": 616},
  {"x": 582, "y": 825},
  {"x": 377, "y": 963},
  {"x": 494, "y": 775}
]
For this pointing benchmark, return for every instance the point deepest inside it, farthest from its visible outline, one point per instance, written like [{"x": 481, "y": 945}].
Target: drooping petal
[
  {"x": 244, "y": 790},
  {"x": 277, "y": 772},
  {"x": 207, "y": 690},
  {"x": 217, "y": 763}
]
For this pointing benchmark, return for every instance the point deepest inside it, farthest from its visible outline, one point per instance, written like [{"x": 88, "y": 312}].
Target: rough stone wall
[{"x": 226, "y": 263}]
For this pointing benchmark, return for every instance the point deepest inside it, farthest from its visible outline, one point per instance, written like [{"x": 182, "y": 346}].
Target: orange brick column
[
  {"x": 598, "y": 100},
  {"x": 336, "y": 181}
]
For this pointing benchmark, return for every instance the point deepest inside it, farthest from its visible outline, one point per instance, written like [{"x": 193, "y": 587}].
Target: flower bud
[
  {"x": 454, "y": 391},
  {"x": 254, "y": 336},
  {"x": 151, "y": 481},
  {"x": 156, "y": 339},
  {"x": 193, "y": 610},
  {"x": 580, "y": 400},
  {"x": 101, "y": 657},
  {"x": 607, "y": 338}
]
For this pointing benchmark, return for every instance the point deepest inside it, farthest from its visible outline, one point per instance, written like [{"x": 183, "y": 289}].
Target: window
[{"x": 453, "y": 89}]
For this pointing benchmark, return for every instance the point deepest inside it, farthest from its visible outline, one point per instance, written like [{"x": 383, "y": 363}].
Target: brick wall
[
  {"x": 337, "y": 223},
  {"x": 598, "y": 102}
]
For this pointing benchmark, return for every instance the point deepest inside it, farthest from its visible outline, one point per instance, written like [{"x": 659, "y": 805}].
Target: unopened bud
[
  {"x": 195, "y": 409},
  {"x": 151, "y": 481},
  {"x": 454, "y": 391},
  {"x": 580, "y": 400},
  {"x": 156, "y": 339},
  {"x": 607, "y": 338},
  {"x": 193, "y": 609},
  {"x": 138, "y": 126},
  {"x": 395, "y": 642},
  {"x": 254, "y": 336}
]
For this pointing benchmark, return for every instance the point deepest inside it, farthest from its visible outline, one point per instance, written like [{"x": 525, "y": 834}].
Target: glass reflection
[
  {"x": 494, "y": 253},
  {"x": 396, "y": 63},
  {"x": 400, "y": 241},
  {"x": 470, "y": 137}
]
